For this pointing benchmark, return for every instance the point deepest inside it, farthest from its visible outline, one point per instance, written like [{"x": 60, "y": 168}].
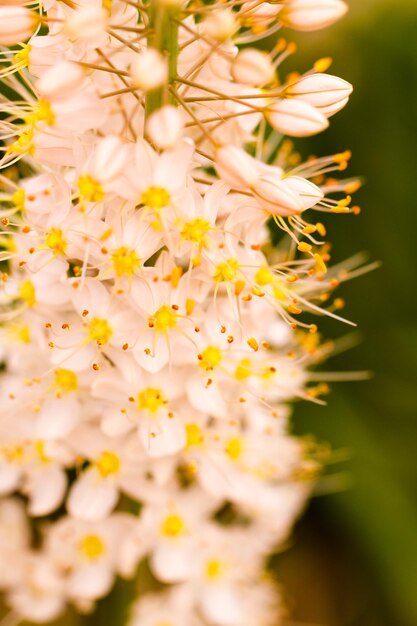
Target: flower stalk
[{"x": 163, "y": 23}]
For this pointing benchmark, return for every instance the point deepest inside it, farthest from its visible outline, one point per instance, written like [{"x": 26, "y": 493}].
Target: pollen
[
  {"x": 92, "y": 547},
  {"x": 173, "y": 526},
  {"x": 243, "y": 370},
  {"x": 226, "y": 271},
  {"x": 210, "y": 357},
  {"x": 56, "y": 242},
  {"x": 194, "y": 434},
  {"x": 65, "y": 381},
  {"x": 234, "y": 448},
  {"x": 90, "y": 190},
  {"x": 43, "y": 113},
  {"x": 20, "y": 332},
  {"x": 196, "y": 231},
  {"x": 99, "y": 330},
  {"x": 155, "y": 198},
  {"x": 150, "y": 399},
  {"x": 164, "y": 319},
  {"x": 22, "y": 145},
  {"x": 108, "y": 464},
  {"x": 125, "y": 262},
  {"x": 21, "y": 58},
  {"x": 27, "y": 293},
  {"x": 263, "y": 276},
  {"x": 213, "y": 569},
  {"x": 18, "y": 199}
]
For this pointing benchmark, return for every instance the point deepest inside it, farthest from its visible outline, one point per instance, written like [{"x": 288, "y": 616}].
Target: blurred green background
[{"x": 354, "y": 555}]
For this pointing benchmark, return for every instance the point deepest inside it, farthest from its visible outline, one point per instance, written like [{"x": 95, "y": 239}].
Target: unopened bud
[
  {"x": 235, "y": 167},
  {"x": 308, "y": 193},
  {"x": 277, "y": 197},
  {"x": 327, "y": 93},
  {"x": 164, "y": 127},
  {"x": 149, "y": 70},
  {"x": 307, "y": 15},
  {"x": 220, "y": 25},
  {"x": 87, "y": 23},
  {"x": 259, "y": 13},
  {"x": 296, "y": 118},
  {"x": 253, "y": 67},
  {"x": 16, "y": 24},
  {"x": 60, "y": 81}
]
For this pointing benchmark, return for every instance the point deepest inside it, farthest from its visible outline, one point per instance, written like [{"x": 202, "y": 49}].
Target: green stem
[{"x": 163, "y": 22}]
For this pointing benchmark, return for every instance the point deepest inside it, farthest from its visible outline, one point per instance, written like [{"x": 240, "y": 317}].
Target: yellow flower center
[
  {"x": 173, "y": 526},
  {"x": 150, "y": 399},
  {"x": 65, "y": 381},
  {"x": 92, "y": 547},
  {"x": 27, "y": 293},
  {"x": 196, "y": 231},
  {"x": 91, "y": 190},
  {"x": 108, "y": 464},
  {"x": 55, "y": 241},
  {"x": 21, "y": 57},
  {"x": 195, "y": 435},
  {"x": 210, "y": 357},
  {"x": 164, "y": 318},
  {"x": 125, "y": 262},
  {"x": 155, "y": 198},
  {"x": 18, "y": 199},
  {"x": 213, "y": 569},
  {"x": 99, "y": 330},
  {"x": 23, "y": 144},
  {"x": 40, "y": 451},
  {"x": 263, "y": 276},
  {"x": 20, "y": 332},
  {"x": 226, "y": 271},
  {"x": 243, "y": 369},
  {"x": 44, "y": 113},
  {"x": 234, "y": 448}
]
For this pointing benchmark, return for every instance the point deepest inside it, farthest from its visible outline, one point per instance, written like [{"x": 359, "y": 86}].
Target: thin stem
[{"x": 163, "y": 36}]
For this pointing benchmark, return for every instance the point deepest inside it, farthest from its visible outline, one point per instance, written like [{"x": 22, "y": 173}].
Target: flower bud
[
  {"x": 60, "y": 81},
  {"x": 259, "y": 13},
  {"x": 220, "y": 25},
  {"x": 327, "y": 93},
  {"x": 277, "y": 197},
  {"x": 164, "y": 127},
  {"x": 306, "y": 15},
  {"x": 14, "y": 3},
  {"x": 149, "y": 70},
  {"x": 235, "y": 167},
  {"x": 308, "y": 193},
  {"x": 16, "y": 24},
  {"x": 253, "y": 67},
  {"x": 296, "y": 118},
  {"x": 88, "y": 23}
]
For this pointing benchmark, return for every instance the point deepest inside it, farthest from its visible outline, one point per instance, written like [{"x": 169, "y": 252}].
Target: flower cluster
[{"x": 152, "y": 335}]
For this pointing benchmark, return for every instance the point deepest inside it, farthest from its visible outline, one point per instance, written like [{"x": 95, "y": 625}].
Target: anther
[{"x": 252, "y": 343}]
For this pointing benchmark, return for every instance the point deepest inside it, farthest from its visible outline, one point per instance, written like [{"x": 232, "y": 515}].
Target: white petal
[
  {"x": 162, "y": 436},
  {"x": 90, "y": 582},
  {"x": 172, "y": 563},
  {"x": 91, "y": 497},
  {"x": 46, "y": 490}
]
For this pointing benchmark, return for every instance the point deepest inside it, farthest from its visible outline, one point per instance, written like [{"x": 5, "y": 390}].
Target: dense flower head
[{"x": 152, "y": 335}]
